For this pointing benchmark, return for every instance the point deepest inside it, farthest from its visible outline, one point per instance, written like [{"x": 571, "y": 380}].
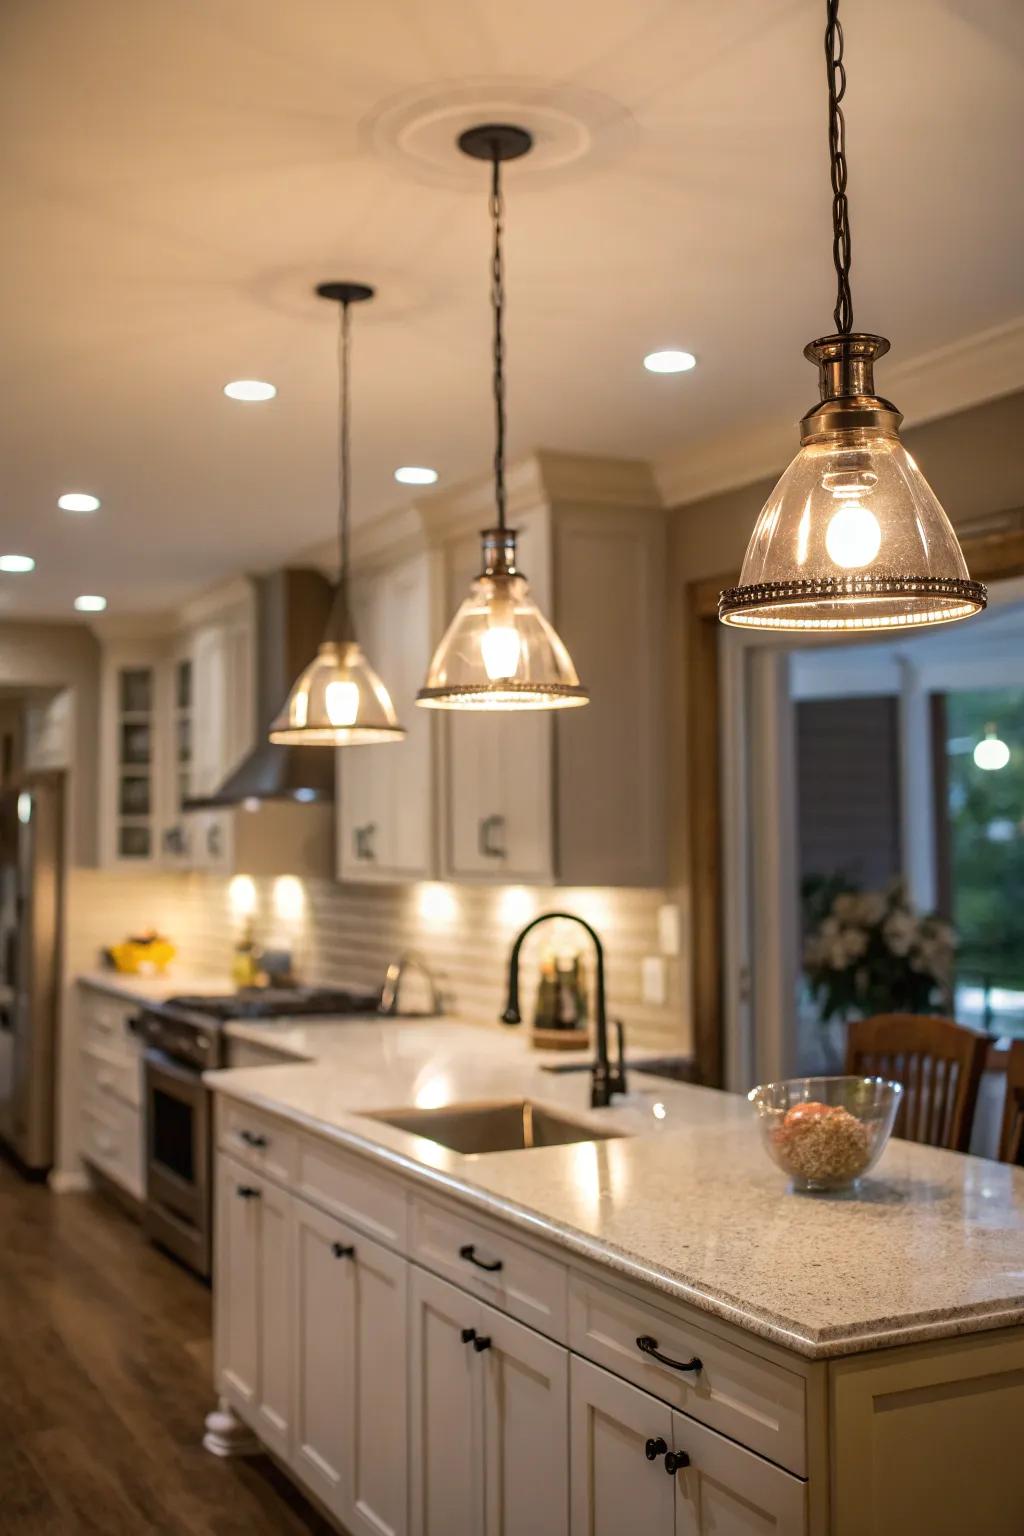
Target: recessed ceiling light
[
  {"x": 17, "y": 563},
  {"x": 90, "y": 604},
  {"x": 249, "y": 389},
  {"x": 78, "y": 501},
  {"x": 670, "y": 361},
  {"x": 415, "y": 474}
]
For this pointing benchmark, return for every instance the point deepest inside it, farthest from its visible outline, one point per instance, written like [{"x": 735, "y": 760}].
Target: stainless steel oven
[
  {"x": 179, "y": 1198},
  {"x": 184, "y": 1037}
]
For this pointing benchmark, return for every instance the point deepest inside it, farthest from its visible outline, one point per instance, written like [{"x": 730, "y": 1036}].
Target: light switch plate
[{"x": 653, "y": 980}]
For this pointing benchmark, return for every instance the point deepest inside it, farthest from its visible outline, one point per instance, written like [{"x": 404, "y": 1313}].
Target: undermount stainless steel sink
[{"x": 504, "y": 1125}]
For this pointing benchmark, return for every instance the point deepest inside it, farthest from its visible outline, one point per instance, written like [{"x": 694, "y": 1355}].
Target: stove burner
[{"x": 276, "y": 1002}]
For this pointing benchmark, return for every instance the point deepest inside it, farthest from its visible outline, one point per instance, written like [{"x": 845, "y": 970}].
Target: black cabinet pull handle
[
  {"x": 343, "y": 1250},
  {"x": 489, "y": 848},
  {"x": 649, "y": 1346},
  {"x": 468, "y": 1251},
  {"x": 468, "y": 1335},
  {"x": 480, "y": 1343},
  {"x": 655, "y": 1448},
  {"x": 246, "y": 1192},
  {"x": 253, "y": 1138},
  {"x": 675, "y": 1461}
]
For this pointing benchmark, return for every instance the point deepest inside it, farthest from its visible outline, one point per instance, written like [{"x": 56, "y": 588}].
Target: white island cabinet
[
  {"x": 642, "y": 1336},
  {"x": 489, "y": 1429}
]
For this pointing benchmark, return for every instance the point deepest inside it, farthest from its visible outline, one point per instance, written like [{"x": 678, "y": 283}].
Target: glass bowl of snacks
[{"x": 825, "y": 1132}]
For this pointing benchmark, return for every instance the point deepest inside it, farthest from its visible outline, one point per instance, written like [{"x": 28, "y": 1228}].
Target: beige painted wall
[{"x": 974, "y": 461}]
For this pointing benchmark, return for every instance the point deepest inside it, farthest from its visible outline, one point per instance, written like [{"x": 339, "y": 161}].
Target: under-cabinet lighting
[
  {"x": 437, "y": 904},
  {"x": 516, "y": 905},
  {"x": 289, "y": 898},
  {"x": 242, "y": 895},
  {"x": 78, "y": 501}
]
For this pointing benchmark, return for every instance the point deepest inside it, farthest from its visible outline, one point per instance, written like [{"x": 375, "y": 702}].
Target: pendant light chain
[
  {"x": 843, "y": 313},
  {"x": 344, "y": 451},
  {"x": 497, "y": 209}
]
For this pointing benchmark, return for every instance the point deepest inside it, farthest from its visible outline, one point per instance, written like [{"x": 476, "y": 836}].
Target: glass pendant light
[
  {"x": 500, "y": 652},
  {"x": 852, "y": 537},
  {"x": 339, "y": 701}
]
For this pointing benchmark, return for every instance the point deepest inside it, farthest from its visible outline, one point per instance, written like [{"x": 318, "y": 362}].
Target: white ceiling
[{"x": 179, "y": 173}]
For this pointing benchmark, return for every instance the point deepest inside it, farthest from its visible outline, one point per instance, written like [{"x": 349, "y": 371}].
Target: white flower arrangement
[{"x": 872, "y": 953}]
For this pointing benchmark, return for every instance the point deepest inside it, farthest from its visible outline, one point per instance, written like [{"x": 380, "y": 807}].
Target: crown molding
[
  {"x": 111, "y": 628},
  {"x": 542, "y": 479},
  {"x": 238, "y": 592},
  {"x": 938, "y": 383}
]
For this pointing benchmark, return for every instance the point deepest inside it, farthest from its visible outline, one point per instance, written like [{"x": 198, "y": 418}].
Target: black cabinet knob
[
  {"x": 253, "y": 1138},
  {"x": 343, "y": 1250},
  {"x": 675, "y": 1461},
  {"x": 655, "y": 1448},
  {"x": 247, "y": 1192},
  {"x": 468, "y": 1335},
  {"x": 480, "y": 1343}
]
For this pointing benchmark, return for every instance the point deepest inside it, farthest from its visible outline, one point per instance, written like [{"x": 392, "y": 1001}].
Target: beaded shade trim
[{"x": 778, "y": 604}]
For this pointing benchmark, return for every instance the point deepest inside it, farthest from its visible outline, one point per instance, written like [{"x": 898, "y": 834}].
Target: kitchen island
[{"x": 448, "y": 1344}]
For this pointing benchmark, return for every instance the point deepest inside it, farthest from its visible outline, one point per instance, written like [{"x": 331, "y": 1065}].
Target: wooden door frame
[{"x": 990, "y": 557}]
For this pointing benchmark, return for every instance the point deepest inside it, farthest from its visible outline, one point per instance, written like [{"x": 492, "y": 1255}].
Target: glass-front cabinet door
[{"x": 135, "y": 738}]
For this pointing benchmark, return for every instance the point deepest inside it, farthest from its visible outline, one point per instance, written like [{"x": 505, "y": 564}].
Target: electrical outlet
[
  {"x": 668, "y": 928},
  {"x": 653, "y": 981}
]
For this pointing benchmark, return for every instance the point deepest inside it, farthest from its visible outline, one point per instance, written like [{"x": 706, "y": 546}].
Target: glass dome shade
[
  {"x": 500, "y": 652},
  {"x": 853, "y": 536},
  {"x": 338, "y": 701}
]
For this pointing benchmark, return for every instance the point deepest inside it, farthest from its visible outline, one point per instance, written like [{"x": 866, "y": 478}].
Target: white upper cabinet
[
  {"x": 497, "y": 804},
  {"x": 177, "y": 715},
  {"x": 571, "y": 796},
  {"x": 134, "y": 752},
  {"x": 223, "y": 725},
  {"x": 385, "y": 791}
]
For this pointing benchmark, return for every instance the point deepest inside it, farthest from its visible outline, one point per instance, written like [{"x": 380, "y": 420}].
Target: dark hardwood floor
[{"x": 105, "y": 1378}]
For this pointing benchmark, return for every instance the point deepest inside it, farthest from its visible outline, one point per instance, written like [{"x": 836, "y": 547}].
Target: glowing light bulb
[
  {"x": 341, "y": 701},
  {"x": 991, "y": 753},
  {"x": 499, "y": 644},
  {"x": 853, "y": 537}
]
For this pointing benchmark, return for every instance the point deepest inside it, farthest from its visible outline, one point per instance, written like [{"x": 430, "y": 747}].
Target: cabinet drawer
[
  {"x": 106, "y": 1073},
  {"x": 350, "y": 1187},
  {"x": 257, "y": 1140},
  {"x": 498, "y": 1268},
  {"x": 112, "y": 1142},
  {"x": 750, "y": 1399},
  {"x": 104, "y": 1024}
]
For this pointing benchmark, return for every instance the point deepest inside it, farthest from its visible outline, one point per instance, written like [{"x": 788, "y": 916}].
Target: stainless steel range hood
[{"x": 291, "y": 613}]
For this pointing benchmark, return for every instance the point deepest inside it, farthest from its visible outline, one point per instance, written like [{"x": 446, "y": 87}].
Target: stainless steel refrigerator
[{"x": 31, "y": 856}]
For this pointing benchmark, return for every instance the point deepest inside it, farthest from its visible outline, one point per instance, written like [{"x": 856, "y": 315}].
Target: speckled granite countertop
[
  {"x": 153, "y": 989},
  {"x": 686, "y": 1201}
]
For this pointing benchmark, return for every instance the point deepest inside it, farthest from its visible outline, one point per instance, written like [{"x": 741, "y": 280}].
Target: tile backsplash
[{"x": 345, "y": 933}]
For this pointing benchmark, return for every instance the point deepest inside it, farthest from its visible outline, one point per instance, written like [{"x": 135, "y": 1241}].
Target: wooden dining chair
[
  {"x": 939, "y": 1064},
  {"x": 1011, "y": 1140}
]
